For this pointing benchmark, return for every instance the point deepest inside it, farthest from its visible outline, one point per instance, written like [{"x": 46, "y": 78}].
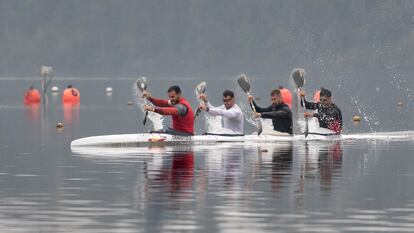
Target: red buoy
[
  {"x": 286, "y": 96},
  {"x": 32, "y": 96},
  {"x": 71, "y": 95},
  {"x": 317, "y": 96}
]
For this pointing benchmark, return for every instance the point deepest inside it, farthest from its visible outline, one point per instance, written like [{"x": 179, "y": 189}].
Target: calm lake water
[{"x": 284, "y": 187}]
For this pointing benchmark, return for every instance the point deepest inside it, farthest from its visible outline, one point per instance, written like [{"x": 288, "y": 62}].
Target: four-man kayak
[{"x": 150, "y": 139}]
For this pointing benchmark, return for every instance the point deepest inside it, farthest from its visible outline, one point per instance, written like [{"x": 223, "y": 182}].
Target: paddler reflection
[
  {"x": 330, "y": 163},
  {"x": 275, "y": 160},
  {"x": 319, "y": 162},
  {"x": 225, "y": 166},
  {"x": 171, "y": 175},
  {"x": 281, "y": 165}
]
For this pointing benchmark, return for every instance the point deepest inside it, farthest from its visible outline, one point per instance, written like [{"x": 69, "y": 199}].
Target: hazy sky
[{"x": 214, "y": 38}]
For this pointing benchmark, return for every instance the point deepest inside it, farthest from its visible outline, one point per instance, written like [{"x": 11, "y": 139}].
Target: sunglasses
[{"x": 227, "y": 99}]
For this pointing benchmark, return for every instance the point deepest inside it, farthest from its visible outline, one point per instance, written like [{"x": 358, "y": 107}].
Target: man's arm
[
  {"x": 178, "y": 109},
  {"x": 282, "y": 113},
  {"x": 309, "y": 105},
  {"x": 159, "y": 102},
  {"x": 217, "y": 111},
  {"x": 260, "y": 109}
]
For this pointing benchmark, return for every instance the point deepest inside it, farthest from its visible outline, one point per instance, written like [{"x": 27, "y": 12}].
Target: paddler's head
[
  {"x": 325, "y": 98},
  {"x": 276, "y": 96},
  {"x": 174, "y": 93},
  {"x": 228, "y": 99}
]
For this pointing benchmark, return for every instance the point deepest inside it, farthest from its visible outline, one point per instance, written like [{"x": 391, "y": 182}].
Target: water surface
[{"x": 283, "y": 187}]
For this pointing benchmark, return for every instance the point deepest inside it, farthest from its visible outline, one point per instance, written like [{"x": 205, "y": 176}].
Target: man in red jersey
[{"x": 177, "y": 107}]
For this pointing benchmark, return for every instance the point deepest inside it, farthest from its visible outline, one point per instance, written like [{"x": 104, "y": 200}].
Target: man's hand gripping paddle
[
  {"x": 142, "y": 86},
  {"x": 200, "y": 89}
]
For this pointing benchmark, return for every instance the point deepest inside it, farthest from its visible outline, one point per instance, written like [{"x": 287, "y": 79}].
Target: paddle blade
[
  {"x": 298, "y": 76},
  {"x": 142, "y": 83},
  {"x": 201, "y": 88},
  {"x": 244, "y": 83}
]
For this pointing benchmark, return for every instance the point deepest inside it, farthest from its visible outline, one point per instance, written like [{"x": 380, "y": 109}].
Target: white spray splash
[
  {"x": 213, "y": 124},
  {"x": 371, "y": 119},
  {"x": 156, "y": 119}
]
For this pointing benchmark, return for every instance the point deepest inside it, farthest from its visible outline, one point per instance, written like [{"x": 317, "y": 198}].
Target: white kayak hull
[
  {"x": 159, "y": 139},
  {"x": 153, "y": 139}
]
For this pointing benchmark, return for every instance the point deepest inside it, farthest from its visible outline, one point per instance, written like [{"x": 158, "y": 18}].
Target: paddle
[
  {"x": 298, "y": 76},
  {"x": 200, "y": 89},
  {"x": 142, "y": 86},
  {"x": 245, "y": 86}
]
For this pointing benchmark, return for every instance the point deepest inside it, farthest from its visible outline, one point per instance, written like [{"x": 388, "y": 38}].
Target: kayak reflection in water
[
  {"x": 328, "y": 114},
  {"x": 177, "y": 107},
  {"x": 232, "y": 115}
]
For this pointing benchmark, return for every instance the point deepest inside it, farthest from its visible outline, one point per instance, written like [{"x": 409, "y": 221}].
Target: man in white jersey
[{"x": 232, "y": 115}]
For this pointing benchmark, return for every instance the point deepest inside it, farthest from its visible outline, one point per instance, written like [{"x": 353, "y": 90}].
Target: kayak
[
  {"x": 161, "y": 139},
  {"x": 154, "y": 139}
]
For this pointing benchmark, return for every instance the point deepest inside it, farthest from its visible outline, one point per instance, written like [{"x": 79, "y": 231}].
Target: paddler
[
  {"x": 177, "y": 107},
  {"x": 278, "y": 111},
  {"x": 232, "y": 114},
  {"x": 328, "y": 114}
]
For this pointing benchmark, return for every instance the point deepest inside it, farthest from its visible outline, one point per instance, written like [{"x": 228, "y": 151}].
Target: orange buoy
[
  {"x": 71, "y": 95},
  {"x": 32, "y": 96},
  {"x": 317, "y": 96},
  {"x": 286, "y": 96}
]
